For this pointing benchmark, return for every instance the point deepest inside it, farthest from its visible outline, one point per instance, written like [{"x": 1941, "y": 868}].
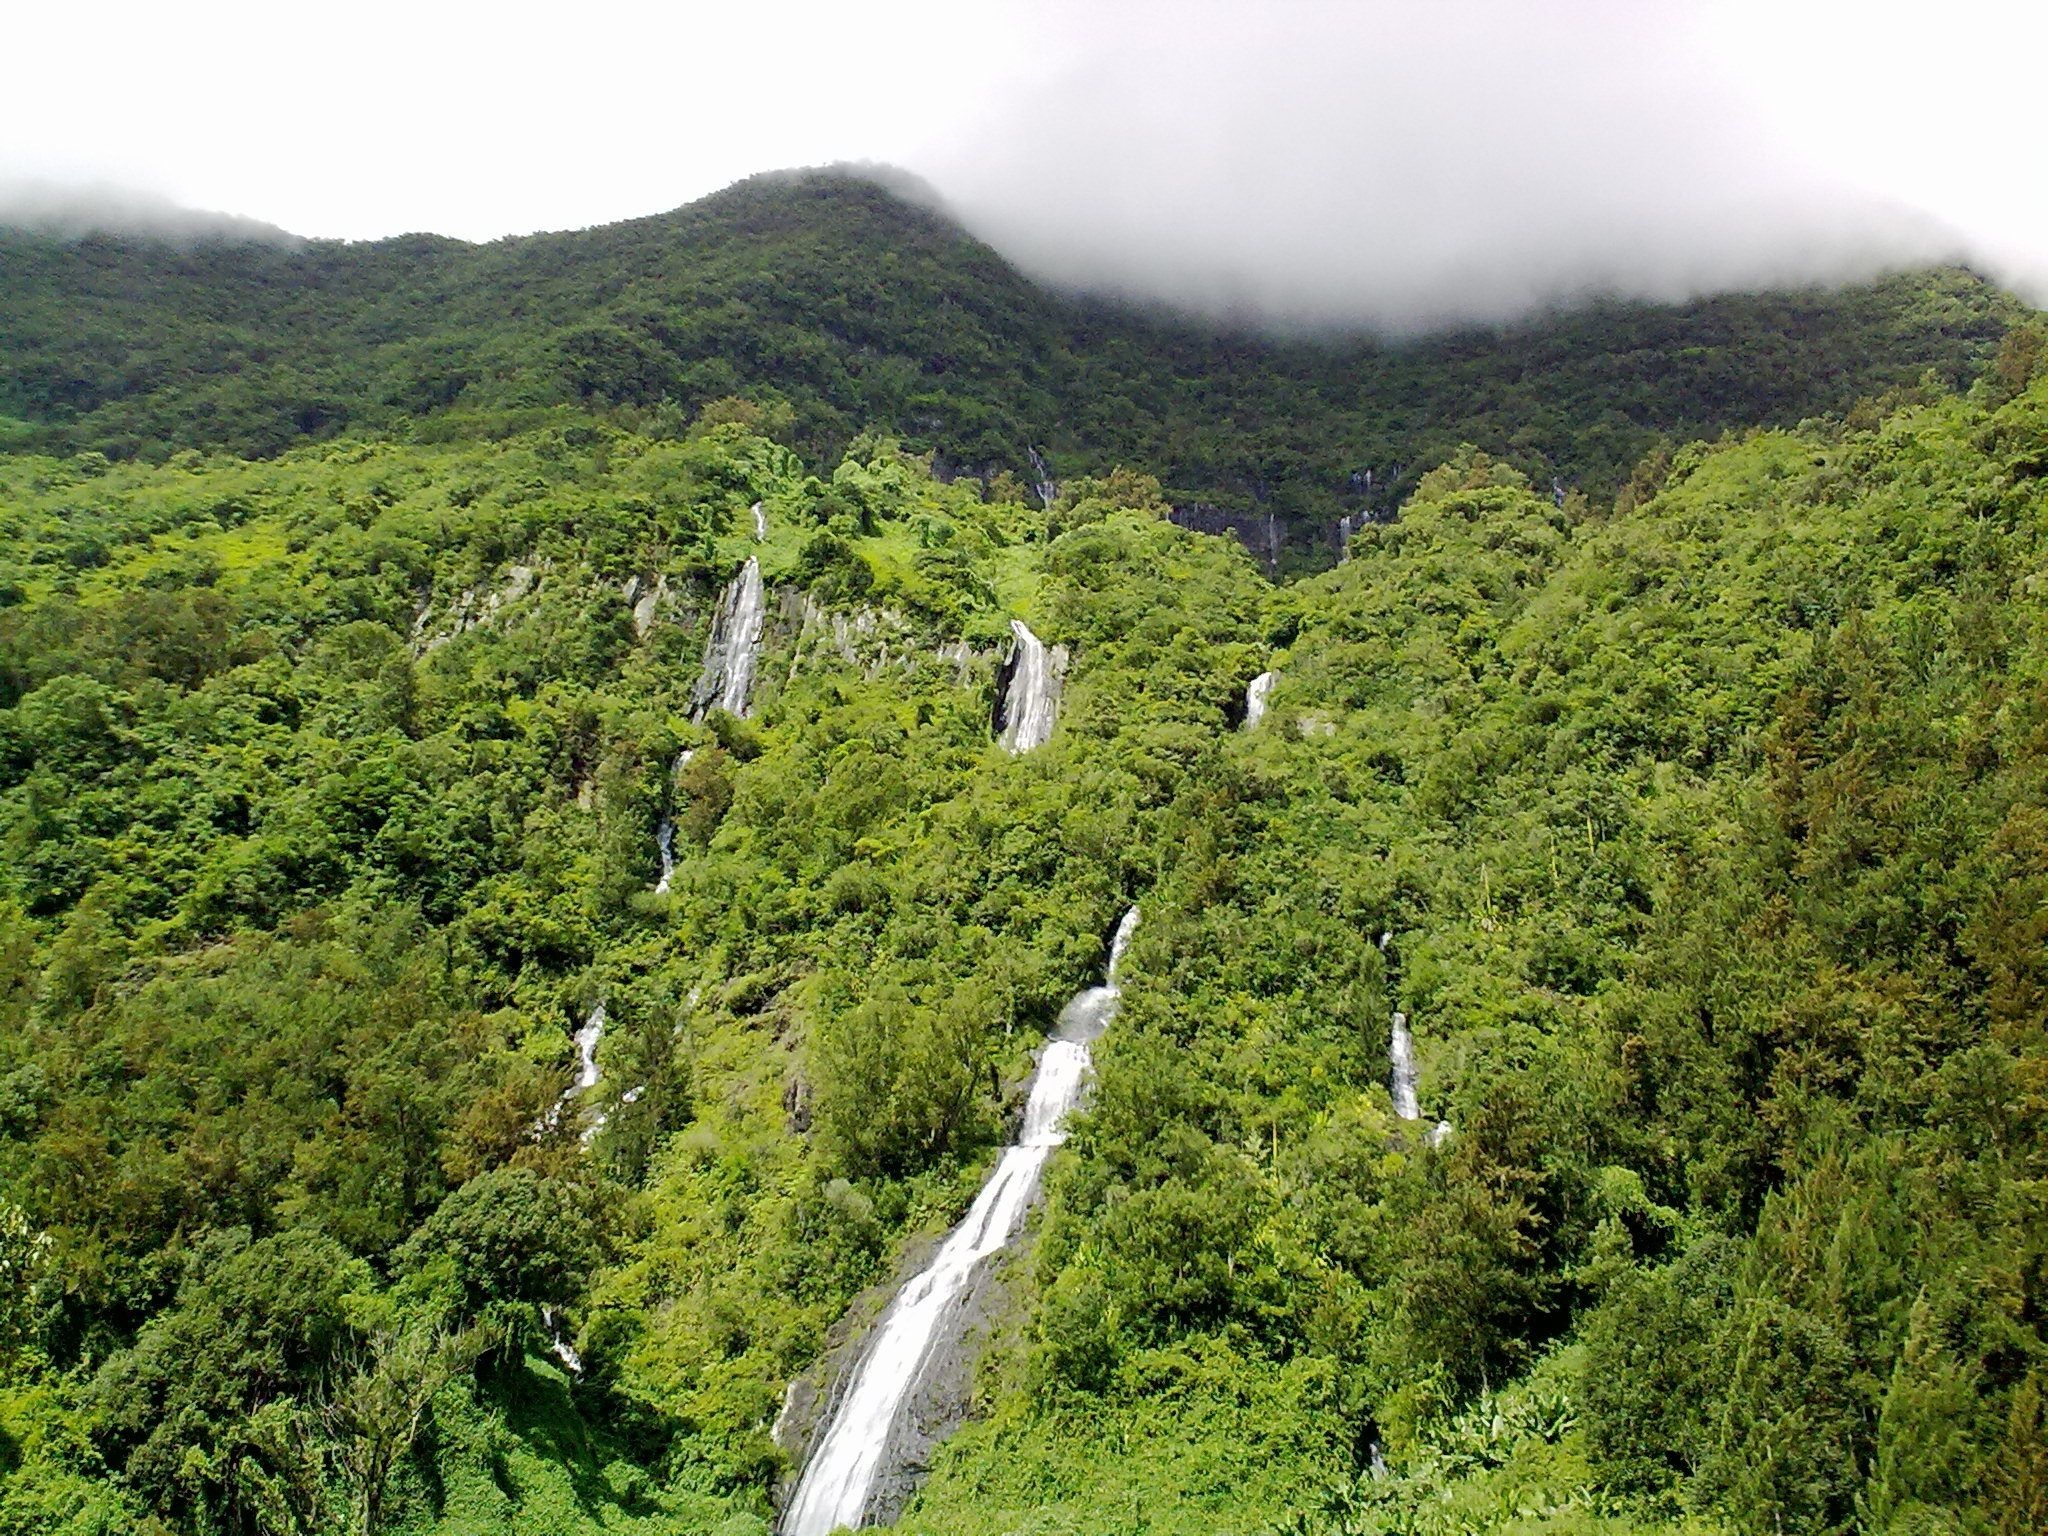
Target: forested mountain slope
[
  {"x": 859, "y": 308},
  {"x": 1704, "y": 834}
]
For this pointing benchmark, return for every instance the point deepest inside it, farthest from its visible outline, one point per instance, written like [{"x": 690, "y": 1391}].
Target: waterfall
[
  {"x": 1401, "y": 1058},
  {"x": 1401, "y": 1054},
  {"x": 1031, "y": 703},
  {"x": 1255, "y": 695},
  {"x": 558, "y": 1346},
  {"x": 665, "y": 845},
  {"x": 665, "y": 832},
  {"x": 838, "y": 1482},
  {"x": 734, "y": 647},
  {"x": 1047, "y": 488},
  {"x": 586, "y": 1074},
  {"x": 760, "y": 523},
  {"x": 586, "y": 1053}
]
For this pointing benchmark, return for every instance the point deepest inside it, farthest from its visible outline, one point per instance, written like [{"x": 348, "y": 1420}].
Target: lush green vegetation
[
  {"x": 1708, "y": 836},
  {"x": 858, "y": 308},
  {"x": 1705, "y": 821}
]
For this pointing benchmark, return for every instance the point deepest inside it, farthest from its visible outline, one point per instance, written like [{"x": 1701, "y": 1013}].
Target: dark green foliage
[
  {"x": 198, "y": 1414},
  {"x": 1705, "y": 835},
  {"x": 512, "y": 1235},
  {"x": 842, "y": 304}
]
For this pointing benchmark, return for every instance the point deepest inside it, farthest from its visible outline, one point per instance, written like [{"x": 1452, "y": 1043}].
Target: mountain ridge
[{"x": 852, "y": 305}]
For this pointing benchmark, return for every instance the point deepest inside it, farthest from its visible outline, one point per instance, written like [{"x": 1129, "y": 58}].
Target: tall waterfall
[
  {"x": 1032, "y": 702},
  {"x": 1255, "y": 695},
  {"x": 735, "y": 646},
  {"x": 760, "y": 523},
  {"x": 1401, "y": 1055},
  {"x": 838, "y": 1483}
]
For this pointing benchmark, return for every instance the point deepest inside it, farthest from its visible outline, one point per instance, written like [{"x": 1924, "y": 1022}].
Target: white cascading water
[
  {"x": 838, "y": 1481},
  {"x": 558, "y": 1342},
  {"x": 586, "y": 1040},
  {"x": 1401, "y": 1054},
  {"x": 1255, "y": 696},
  {"x": 735, "y": 646},
  {"x": 586, "y": 1070},
  {"x": 760, "y": 523},
  {"x": 1032, "y": 704},
  {"x": 1401, "y": 1057},
  {"x": 665, "y": 831},
  {"x": 665, "y": 845},
  {"x": 1048, "y": 489}
]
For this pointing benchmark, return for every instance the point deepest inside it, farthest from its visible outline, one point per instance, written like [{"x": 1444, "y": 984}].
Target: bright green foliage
[{"x": 1706, "y": 832}]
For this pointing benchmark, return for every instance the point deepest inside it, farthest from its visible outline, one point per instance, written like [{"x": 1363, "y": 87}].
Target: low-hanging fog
[
  {"x": 1401, "y": 166},
  {"x": 1393, "y": 165},
  {"x": 68, "y": 211}
]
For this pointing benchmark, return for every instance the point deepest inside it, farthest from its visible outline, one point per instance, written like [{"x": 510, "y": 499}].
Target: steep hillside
[
  {"x": 855, "y": 307},
  {"x": 453, "y": 1078}
]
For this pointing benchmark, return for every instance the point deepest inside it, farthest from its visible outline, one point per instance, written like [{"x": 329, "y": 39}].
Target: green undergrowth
[{"x": 1697, "y": 834}]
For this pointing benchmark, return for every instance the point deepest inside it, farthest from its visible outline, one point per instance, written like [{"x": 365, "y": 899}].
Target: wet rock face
[
  {"x": 734, "y": 649},
  {"x": 909, "y": 1382},
  {"x": 939, "y": 1398},
  {"x": 1028, "y": 690},
  {"x": 943, "y": 1394}
]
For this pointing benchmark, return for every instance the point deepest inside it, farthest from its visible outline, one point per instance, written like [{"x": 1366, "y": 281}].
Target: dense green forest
[
  {"x": 859, "y": 307},
  {"x": 353, "y": 605}
]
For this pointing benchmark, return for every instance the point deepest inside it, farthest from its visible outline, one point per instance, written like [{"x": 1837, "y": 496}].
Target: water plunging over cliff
[
  {"x": 1401, "y": 1055},
  {"x": 735, "y": 646},
  {"x": 760, "y": 523},
  {"x": 838, "y": 1483},
  {"x": 586, "y": 1040},
  {"x": 665, "y": 831},
  {"x": 1047, "y": 488},
  {"x": 1031, "y": 702},
  {"x": 1255, "y": 696},
  {"x": 1401, "y": 1077},
  {"x": 665, "y": 845}
]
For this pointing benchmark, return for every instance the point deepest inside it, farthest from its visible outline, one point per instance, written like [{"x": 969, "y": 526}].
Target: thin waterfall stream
[
  {"x": 1401, "y": 1062},
  {"x": 1401, "y": 1080},
  {"x": 665, "y": 829},
  {"x": 587, "y": 1075},
  {"x": 838, "y": 1483}
]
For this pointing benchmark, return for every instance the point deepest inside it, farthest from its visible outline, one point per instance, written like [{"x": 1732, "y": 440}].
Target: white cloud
[{"x": 1395, "y": 163}]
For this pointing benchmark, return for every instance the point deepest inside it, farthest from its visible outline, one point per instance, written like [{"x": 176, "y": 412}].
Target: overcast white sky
[{"x": 1384, "y": 161}]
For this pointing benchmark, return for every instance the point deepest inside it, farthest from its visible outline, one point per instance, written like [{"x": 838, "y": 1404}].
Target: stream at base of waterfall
[{"x": 838, "y": 1483}]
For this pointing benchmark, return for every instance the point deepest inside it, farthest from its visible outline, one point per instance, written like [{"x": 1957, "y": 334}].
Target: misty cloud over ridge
[
  {"x": 68, "y": 212},
  {"x": 1389, "y": 165},
  {"x": 1402, "y": 167}
]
